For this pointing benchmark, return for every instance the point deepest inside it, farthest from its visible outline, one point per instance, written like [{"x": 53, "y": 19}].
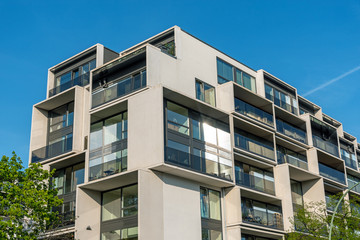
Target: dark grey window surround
[{"x": 187, "y": 140}]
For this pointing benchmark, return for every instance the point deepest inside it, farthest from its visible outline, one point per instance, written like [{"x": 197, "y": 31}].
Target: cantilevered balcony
[
  {"x": 263, "y": 214},
  {"x": 325, "y": 145},
  {"x": 52, "y": 150},
  {"x": 204, "y": 164},
  {"x": 81, "y": 80},
  {"x": 352, "y": 181},
  {"x": 291, "y": 131},
  {"x": 349, "y": 158},
  {"x": 332, "y": 173},
  {"x": 324, "y": 136},
  {"x": 263, "y": 184},
  {"x": 254, "y": 145},
  {"x": 119, "y": 88},
  {"x": 253, "y": 112},
  {"x": 285, "y": 155}
]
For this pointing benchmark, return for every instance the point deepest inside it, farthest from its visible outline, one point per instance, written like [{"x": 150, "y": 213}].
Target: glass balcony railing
[
  {"x": 331, "y": 173},
  {"x": 253, "y": 112},
  {"x": 298, "y": 160},
  {"x": 197, "y": 163},
  {"x": 52, "y": 150},
  {"x": 254, "y": 182},
  {"x": 286, "y": 106},
  {"x": 291, "y": 131},
  {"x": 107, "y": 168},
  {"x": 351, "y": 183},
  {"x": 349, "y": 159},
  {"x": 325, "y": 145},
  {"x": 262, "y": 214},
  {"x": 254, "y": 146},
  {"x": 119, "y": 89},
  {"x": 81, "y": 80}
]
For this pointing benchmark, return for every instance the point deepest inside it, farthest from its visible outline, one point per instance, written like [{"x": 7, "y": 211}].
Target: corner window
[{"x": 205, "y": 92}]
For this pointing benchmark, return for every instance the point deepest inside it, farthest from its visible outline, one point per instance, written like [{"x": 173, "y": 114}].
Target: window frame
[{"x": 202, "y": 89}]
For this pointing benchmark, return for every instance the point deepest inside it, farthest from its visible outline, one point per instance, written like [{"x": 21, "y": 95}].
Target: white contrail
[{"x": 332, "y": 81}]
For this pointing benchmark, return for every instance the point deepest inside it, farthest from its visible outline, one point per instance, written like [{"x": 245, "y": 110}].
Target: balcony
[
  {"x": 253, "y": 112},
  {"x": 254, "y": 146},
  {"x": 325, "y": 145},
  {"x": 119, "y": 89},
  {"x": 293, "y": 159},
  {"x": 81, "y": 80},
  {"x": 108, "y": 160},
  {"x": 290, "y": 108},
  {"x": 52, "y": 150},
  {"x": 291, "y": 131},
  {"x": 262, "y": 214},
  {"x": 349, "y": 158},
  {"x": 352, "y": 182},
  {"x": 199, "y": 164},
  {"x": 332, "y": 174},
  {"x": 254, "y": 182}
]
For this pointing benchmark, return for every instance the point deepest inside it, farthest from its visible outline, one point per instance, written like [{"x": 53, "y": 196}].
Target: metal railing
[
  {"x": 326, "y": 146},
  {"x": 52, "y": 150},
  {"x": 254, "y": 146},
  {"x": 254, "y": 182},
  {"x": 298, "y": 161},
  {"x": 121, "y": 88},
  {"x": 291, "y": 131},
  {"x": 200, "y": 164},
  {"x": 331, "y": 173},
  {"x": 81, "y": 80},
  {"x": 253, "y": 112}
]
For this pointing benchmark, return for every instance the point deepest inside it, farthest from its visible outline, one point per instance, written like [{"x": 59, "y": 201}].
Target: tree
[
  {"x": 312, "y": 221},
  {"x": 26, "y": 199}
]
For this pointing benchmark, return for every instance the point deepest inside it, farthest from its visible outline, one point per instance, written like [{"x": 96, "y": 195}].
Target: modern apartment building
[{"x": 172, "y": 139}]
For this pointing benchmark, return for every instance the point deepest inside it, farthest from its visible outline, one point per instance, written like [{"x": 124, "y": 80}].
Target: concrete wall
[
  {"x": 39, "y": 126},
  {"x": 146, "y": 129},
  {"x": 283, "y": 191},
  {"x": 88, "y": 209}
]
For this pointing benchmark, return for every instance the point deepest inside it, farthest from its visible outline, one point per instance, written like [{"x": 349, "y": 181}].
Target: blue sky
[{"x": 305, "y": 43}]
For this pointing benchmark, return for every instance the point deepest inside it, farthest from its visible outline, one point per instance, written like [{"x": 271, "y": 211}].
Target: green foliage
[
  {"x": 26, "y": 199},
  {"x": 312, "y": 221}
]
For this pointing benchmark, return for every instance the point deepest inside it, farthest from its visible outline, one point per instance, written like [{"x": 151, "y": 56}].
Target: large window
[
  {"x": 205, "y": 92},
  {"x": 61, "y": 117},
  {"x": 108, "y": 146},
  {"x": 119, "y": 213},
  {"x": 296, "y": 194},
  {"x": 75, "y": 73},
  {"x": 254, "y": 178},
  {"x": 281, "y": 99},
  {"x": 227, "y": 73},
  {"x": 210, "y": 214},
  {"x": 78, "y": 76},
  {"x": 261, "y": 213},
  {"x": 66, "y": 180},
  {"x": 197, "y": 142}
]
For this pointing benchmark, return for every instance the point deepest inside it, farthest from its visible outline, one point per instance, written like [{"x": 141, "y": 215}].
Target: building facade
[{"x": 173, "y": 139}]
